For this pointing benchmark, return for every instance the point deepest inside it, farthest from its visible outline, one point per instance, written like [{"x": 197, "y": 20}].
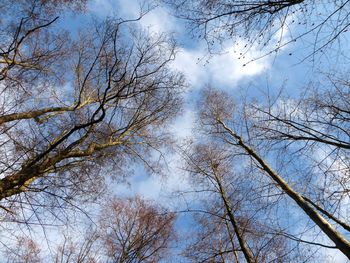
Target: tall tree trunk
[
  {"x": 340, "y": 242},
  {"x": 246, "y": 251}
]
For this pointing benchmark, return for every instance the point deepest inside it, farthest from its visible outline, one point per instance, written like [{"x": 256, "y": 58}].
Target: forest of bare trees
[{"x": 87, "y": 102}]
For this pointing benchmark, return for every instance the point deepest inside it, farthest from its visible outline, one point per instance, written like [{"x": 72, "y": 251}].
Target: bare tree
[
  {"x": 207, "y": 162},
  {"x": 230, "y": 217},
  {"x": 227, "y": 125},
  {"x": 72, "y": 110},
  {"x": 128, "y": 230},
  {"x": 83, "y": 251},
  {"x": 268, "y": 24},
  {"x": 24, "y": 251},
  {"x": 135, "y": 230}
]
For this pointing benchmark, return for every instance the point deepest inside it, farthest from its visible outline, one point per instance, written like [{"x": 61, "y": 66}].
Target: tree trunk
[{"x": 340, "y": 242}]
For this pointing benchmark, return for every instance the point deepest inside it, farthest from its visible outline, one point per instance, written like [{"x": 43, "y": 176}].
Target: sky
[{"x": 225, "y": 71}]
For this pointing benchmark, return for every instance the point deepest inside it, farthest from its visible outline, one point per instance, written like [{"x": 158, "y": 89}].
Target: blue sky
[{"x": 226, "y": 71}]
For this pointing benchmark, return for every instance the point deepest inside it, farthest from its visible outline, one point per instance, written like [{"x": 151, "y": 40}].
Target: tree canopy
[{"x": 94, "y": 100}]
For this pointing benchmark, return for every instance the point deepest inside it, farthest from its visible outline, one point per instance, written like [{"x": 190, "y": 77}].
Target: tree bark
[
  {"x": 340, "y": 242},
  {"x": 247, "y": 254}
]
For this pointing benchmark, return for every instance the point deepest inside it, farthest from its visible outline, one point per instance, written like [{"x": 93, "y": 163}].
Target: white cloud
[
  {"x": 334, "y": 255},
  {"x": 225, "y": 69},
  {"x": 184, "y": 124},
  {"x": 157, "y": 20},
  {"x": 102, "y": 7},
  {"x": 228, "y": 68},
  {"x": 156, "y": 187}
]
